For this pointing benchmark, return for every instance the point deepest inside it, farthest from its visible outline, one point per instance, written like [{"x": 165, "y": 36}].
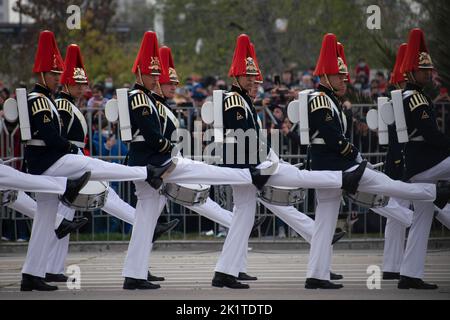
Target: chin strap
[
  {"x": 43, "y": 79},
  {"x": 328, "y": 84}
]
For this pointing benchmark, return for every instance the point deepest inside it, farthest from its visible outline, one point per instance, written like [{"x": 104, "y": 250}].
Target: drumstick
[
  {"x": 11, "y": 160},
  {"x": 377, "y": 165}
]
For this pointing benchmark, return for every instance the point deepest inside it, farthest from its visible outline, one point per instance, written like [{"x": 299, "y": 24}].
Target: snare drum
[
  {"x": 8, "y": 196},
  {"x": 186, "y": 194},
  {"x": 282, "y": 196},
  {"x": 368, "y": 200},
  {"x": 91, "y": 197}
]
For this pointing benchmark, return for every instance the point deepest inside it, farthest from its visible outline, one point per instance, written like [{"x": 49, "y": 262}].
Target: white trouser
[
  {"x": 289, "y": 176},
  {"x": 13, "y": 179},
  {"x": 190, "y": 171},
  {"x": 148, "y": 208},
  {"x": 413, "y": 263},
  {"x": 300, "y": 222},
  {"x": 394, "y": 236},
  {"x": 59, "y": 247},
  {"x": 327, "y": 211},
  {"x": 72, "y": 166},
  {"x": 444, "y": 216},
  {"x": 397, "y": 210},
  {"x": 24, "y": 204},
  {"x": 58, "y": 252},
  {"x": 236, "y": 242},
  {"x": 118, "y": 208},
  {"x": 213, "y": 211}
]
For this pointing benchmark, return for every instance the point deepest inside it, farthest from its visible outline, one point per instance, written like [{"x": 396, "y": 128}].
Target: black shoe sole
[{"x": 221, "y": 285}]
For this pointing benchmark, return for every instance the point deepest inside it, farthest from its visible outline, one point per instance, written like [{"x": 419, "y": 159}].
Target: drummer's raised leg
[
  {"x": 190, "y": 171},
  {"x": 73, "y": 166},
  {"x": 376, "y": 182},
  {"x": 290, "y": 176},
  {"x": 300, "y": 222},
  {"x": 213, "y": 211}
]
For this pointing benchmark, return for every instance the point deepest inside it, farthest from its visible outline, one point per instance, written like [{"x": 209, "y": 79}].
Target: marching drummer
[
  {"x": 74, "y": 80},
  {"x": 48, "y": 153},
  {"x": 150, "y": 147},
  {"x": 239, "y": 114},
  {"x": 424, "y": 138},
  {"x": 330, "y": 149}
]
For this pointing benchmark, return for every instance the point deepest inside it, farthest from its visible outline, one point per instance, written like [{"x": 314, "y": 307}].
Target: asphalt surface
[{"x": 188, "y": 277}]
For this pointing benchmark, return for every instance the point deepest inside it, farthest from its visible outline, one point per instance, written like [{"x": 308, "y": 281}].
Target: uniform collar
[
  {"x": 64, "y": 95},
  {"x": 243, "y": 93},
  {"x": 239, "y": 90},
  {"x": 159, "y": 98},
  {"x": 329, "y": 93},
  {"x": 413, "y": 86},
  {"x": 141, "y": 87},
  {"x": 42, "y": 89}
]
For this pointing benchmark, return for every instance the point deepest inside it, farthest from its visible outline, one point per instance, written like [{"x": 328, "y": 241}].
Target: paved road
[{"x": 188, "y": 276}]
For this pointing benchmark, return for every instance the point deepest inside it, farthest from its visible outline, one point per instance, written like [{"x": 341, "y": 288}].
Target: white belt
[
  {"x": 78, "y": 144},
  {"x": 318, "y": 141},
  {"x": 139, "y": 138},
  {"x": 419, "y": 138},
  {"x": 36, "y": 143}
]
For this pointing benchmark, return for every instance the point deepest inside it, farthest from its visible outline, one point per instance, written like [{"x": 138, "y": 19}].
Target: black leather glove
[{"x": 73, "y": 149}]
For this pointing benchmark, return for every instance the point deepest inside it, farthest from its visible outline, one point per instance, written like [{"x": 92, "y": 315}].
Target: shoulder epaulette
[
  {"x": 417, "y": 99},
  {"x": 320, "y": 102},
  {"x": 64, "y": 105},
  {"x": 233, "y": 101},
  {"x": 40, "y": 104},
  {"x": 139, "y": 99}
]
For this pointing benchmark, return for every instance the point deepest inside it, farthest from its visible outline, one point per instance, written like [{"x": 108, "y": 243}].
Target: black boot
[
  {"x": 225, "y": 280},
  {"x": 391, "y": 275},
  {"x": 442, "y": 194},
  {"x": 30, "y": 283},
  {"x": 258, "y": 178},
  {"x": 335, "y": 276},
  {"x": 414, "y": 283},
  {"x": 258, "y": 221},
  {"x": 338, "y": 236},
  {"x": 164, "y": 227},
  {"x": 350, "y": 180},
  {"x": 73, "y": 187},
  {"x": 312, "y": 283},
  {"x": 67, "y": 226},
  {"x": 156, "y": 174},
  {"x": 242, "y": 276},
  {"x": 53, "y": 277},
  {"x": 133, "y": 284},
  {"x": 151, "y": 277}
]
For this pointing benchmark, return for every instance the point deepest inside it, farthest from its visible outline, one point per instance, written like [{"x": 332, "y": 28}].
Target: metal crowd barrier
[{"x": 356, "y": 220}]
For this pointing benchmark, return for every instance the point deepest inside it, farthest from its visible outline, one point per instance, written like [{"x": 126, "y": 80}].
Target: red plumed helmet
[
  {"x": 74, "y": 71},
  {"x": 147, "y": 60},
  {"x": 397, "y": 75},
  {"x": 417, "y": 55},
  {"x": 48, "y": 58},
  {"x": 259, "y": 77},
  {"x": 168, "y": 74},
  {"x": 329, "y": 61},
  {"x": 243, "y": 63},
  {"x": 341, "y": 54}
]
